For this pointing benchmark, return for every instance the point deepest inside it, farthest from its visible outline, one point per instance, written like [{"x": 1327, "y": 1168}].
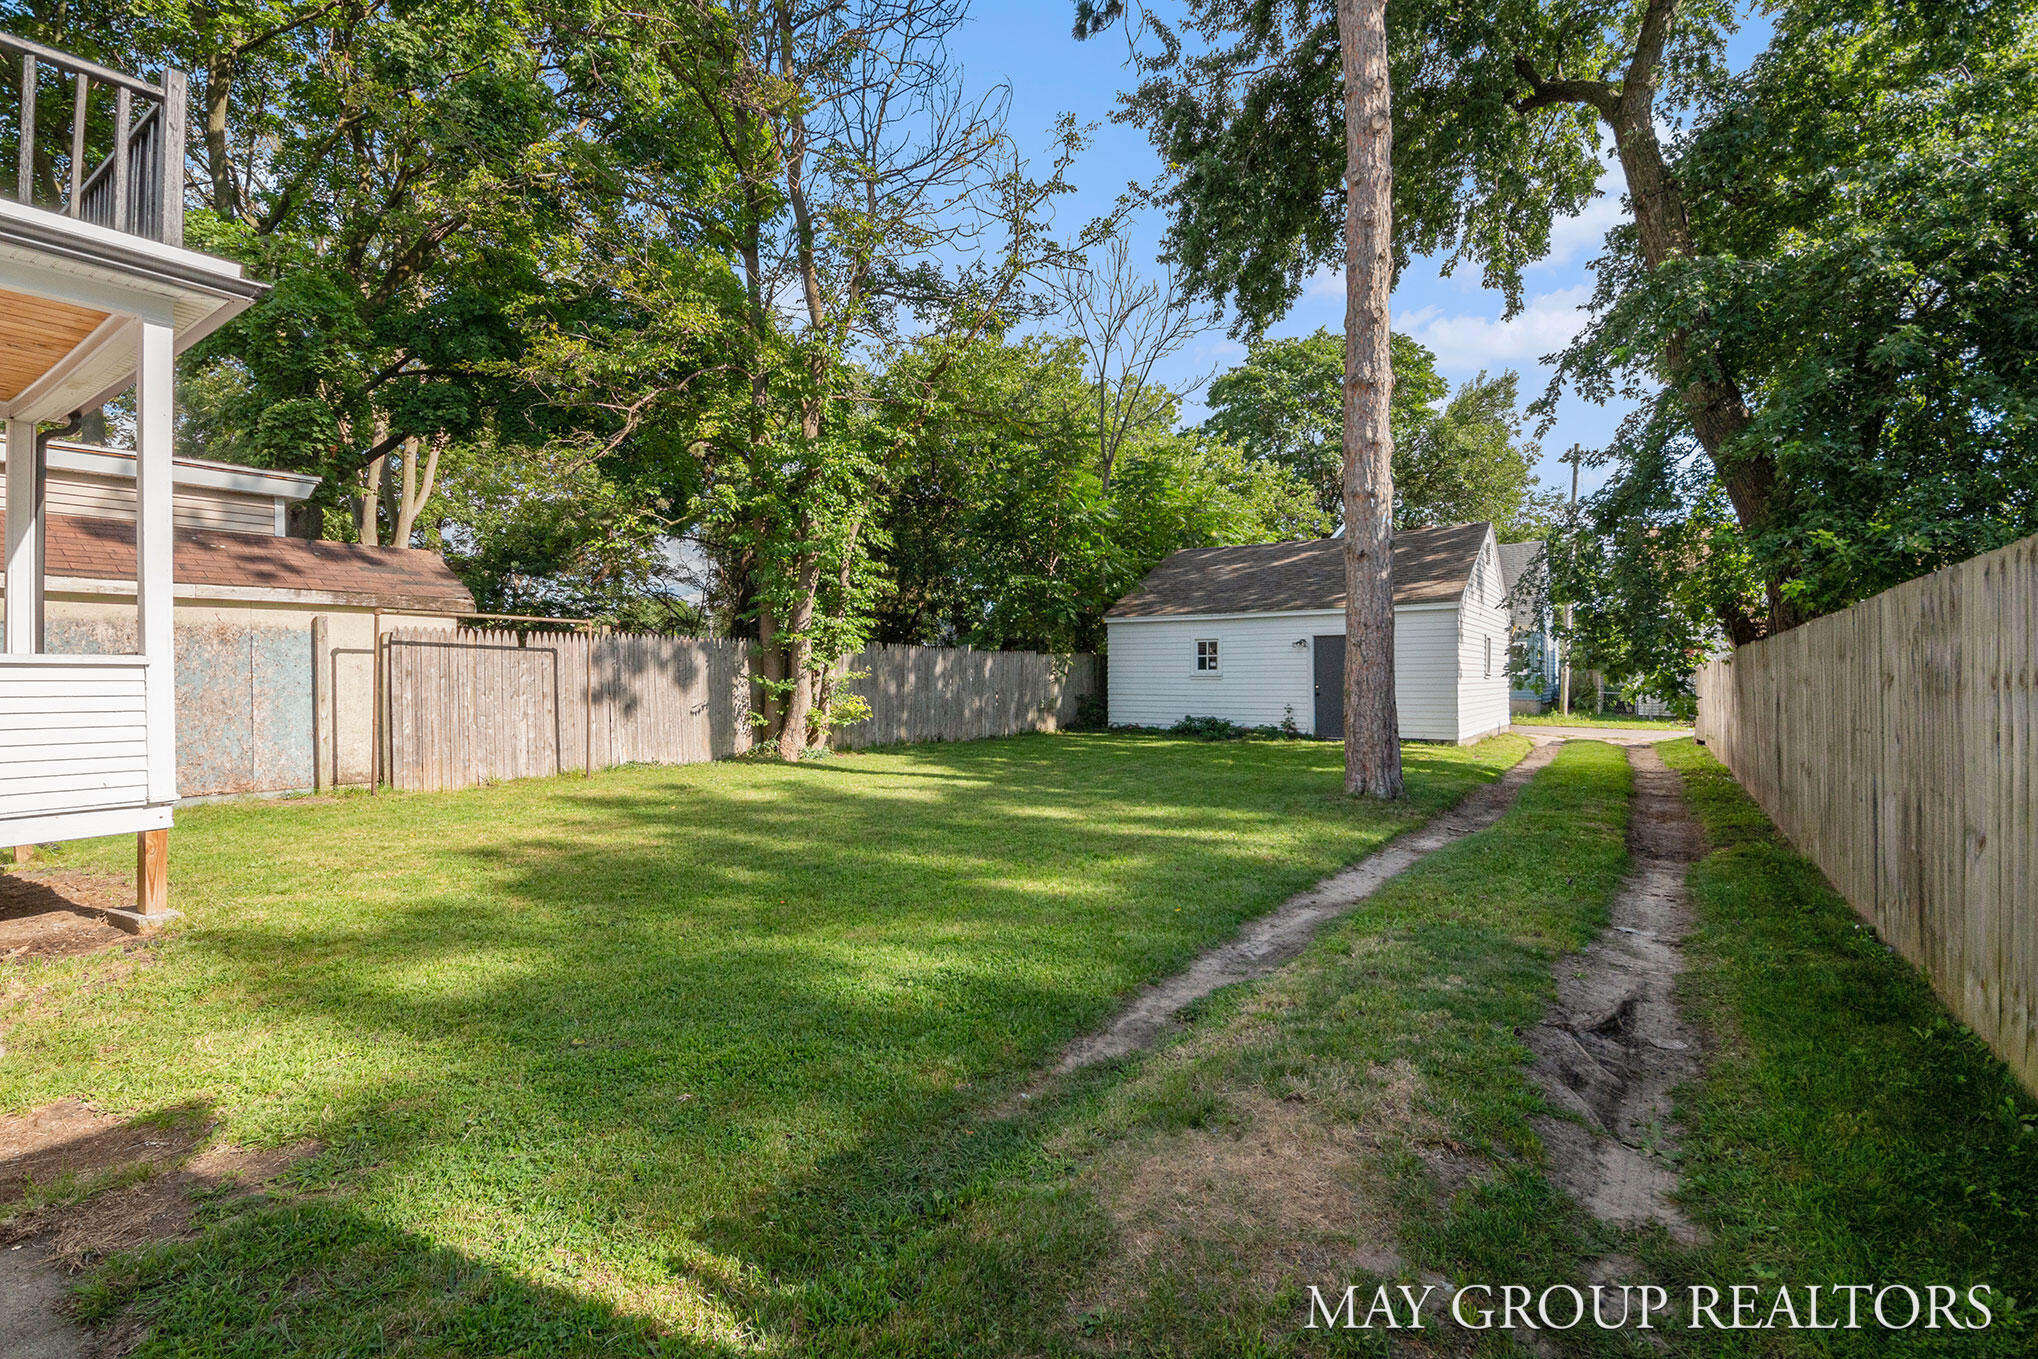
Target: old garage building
[{"x": 1255, "y": 635}]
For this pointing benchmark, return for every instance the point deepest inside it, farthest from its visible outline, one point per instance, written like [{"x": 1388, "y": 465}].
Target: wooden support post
[
  {"x": 24, "y": 178},
  {"x": 152, "y": 872},
  {"x": 24, "y": 854},
  {"x": 170, "y": 144}
]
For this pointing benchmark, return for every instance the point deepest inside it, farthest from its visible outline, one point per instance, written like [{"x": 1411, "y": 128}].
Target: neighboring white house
[
  {"x": 1531, "y": 629},
  {"x": 1255, "y": 635}
]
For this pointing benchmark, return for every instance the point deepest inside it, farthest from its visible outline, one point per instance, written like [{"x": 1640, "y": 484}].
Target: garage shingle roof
[
  {"x": 1431, "y": 566},
  {"x": 385, "y": 577}
]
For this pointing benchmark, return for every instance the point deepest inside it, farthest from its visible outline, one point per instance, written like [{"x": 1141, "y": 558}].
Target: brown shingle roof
[
  {"x": 1431, "y": 566},
  {"x": 386, "y": 577}
]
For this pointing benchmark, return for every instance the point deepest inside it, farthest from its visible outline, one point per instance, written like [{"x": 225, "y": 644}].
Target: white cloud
[
  {"x": 1212, "y": 350},
  {"x": 1326, "y": 282},
  {"x": 1466, "y": 343},
  {"x": 1583, "y": 233}
]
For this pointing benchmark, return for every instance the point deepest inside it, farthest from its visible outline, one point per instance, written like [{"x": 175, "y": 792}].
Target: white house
[
  {"x": 1255, "y": 635},
  {"x": 1533, "y": 639},
  {"x": 99, "y": 295}
]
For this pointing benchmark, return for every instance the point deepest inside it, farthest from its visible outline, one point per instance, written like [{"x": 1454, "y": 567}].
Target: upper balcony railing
[{"x": 137, "y": 184}]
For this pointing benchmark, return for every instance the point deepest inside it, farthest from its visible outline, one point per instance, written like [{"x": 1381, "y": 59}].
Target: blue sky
[{"x": 1026, "y": 44}]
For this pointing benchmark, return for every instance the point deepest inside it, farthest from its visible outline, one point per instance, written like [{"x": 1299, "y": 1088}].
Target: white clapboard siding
[
  {"x": 1426, "y": 649},
  {"x": 193, "y": 507},
  {"x": 1264, "y": 677},
  {"x": 1482, "y": 669},
  {"x": 72, "y": 735}
]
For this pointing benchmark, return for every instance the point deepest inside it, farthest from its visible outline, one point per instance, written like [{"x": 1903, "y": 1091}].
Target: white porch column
[
  {"x": 25, "y": 497},
  {"x": 154, "y": 375}
]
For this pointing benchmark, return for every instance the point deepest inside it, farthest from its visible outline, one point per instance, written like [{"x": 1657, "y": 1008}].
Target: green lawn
[
  {"x": 1592, "y": 719},
  {"x": 1849, "y": 1129},
  {"x": 720, "y": 1061},
  {"x": 670, "y": 1053},
  {"x": 1307, "y": 1123}
]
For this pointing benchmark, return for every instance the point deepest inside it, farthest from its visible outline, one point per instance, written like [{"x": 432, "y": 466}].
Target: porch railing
[{"x": 137, "y": 183}]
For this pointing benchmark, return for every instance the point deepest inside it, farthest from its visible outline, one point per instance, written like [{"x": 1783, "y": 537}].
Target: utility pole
[{"x": 1564, "y": 681}]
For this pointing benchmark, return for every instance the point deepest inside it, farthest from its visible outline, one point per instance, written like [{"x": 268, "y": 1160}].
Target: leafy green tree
[
  {"x": 1862, "y": 243},
  {"x": 1468, "y": 462},
  {"x": 1498, "y": 115},
  {"x": 829, "y": 153},
  {"x": 1285, "y": 403},
  {"x": 391, "y": 170},
  {"x": 1002, "y": 530},
  {"x": 1454, "y": 461},
  {"x": 1646, "y": 563}
]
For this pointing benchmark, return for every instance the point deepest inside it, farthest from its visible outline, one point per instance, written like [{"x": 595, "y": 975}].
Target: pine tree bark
[{"x": 1372, "y": 726}]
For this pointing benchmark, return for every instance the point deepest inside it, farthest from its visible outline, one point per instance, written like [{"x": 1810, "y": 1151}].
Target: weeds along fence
[
  {"x": 1896, "y": 744},
  {"x": 469, "y": 707}
]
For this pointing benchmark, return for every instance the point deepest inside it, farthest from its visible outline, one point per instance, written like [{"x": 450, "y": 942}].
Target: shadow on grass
[
  {"x": 715, "y": 1043},
  {"x": 316, "y": 1277}
]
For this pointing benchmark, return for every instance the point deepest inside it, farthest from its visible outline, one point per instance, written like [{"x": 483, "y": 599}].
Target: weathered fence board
[
  {"x": 469, "y": 707},
  {"x": 1894, "y": 744}
]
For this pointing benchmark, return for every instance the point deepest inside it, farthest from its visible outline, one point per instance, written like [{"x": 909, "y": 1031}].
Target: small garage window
[
  {"x": 1206, "y": 655},
  {"x": 1489, "y": 657}
]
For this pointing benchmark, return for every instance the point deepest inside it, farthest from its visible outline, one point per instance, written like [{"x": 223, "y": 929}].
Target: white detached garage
[{"x": 1255, "y": 635}]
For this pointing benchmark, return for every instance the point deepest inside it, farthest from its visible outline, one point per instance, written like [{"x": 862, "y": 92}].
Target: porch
[{"x": 97, "y": 296}]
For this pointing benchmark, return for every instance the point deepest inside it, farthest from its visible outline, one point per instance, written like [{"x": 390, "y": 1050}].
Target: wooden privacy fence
[
  {"x": 939, "y": 693},
  {"x": 467, "y": 707},
  {"x": 1896, "y": 744}
]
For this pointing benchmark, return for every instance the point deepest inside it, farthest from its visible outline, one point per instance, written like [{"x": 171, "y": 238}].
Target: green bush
[{"x": 1219, "y": 729}]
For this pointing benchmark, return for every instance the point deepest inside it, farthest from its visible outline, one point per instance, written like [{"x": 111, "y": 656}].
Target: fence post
[{"x": 321, "y": 699}]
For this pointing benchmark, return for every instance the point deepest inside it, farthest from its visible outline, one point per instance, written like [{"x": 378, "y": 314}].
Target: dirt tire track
[
  {"x": 1266, "y": 943},
  {"x": 1615, "y": 1045}
]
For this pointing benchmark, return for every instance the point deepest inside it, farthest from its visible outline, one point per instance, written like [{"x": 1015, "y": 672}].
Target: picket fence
[
  {"x": 1896, "y": 744},
  {"x": 470, "y": 707}
]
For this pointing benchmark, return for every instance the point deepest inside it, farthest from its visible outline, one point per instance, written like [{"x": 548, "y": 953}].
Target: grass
[
  {"x": 719, "y": 1060},
  {"x": 670, "y": 1058},
  {"x": 1321, "y": 1117},
  {"x": 1624, "y": 721},
  {"x": 1369, "y": 1105},
  {"x": 1848, "y": 1130}
]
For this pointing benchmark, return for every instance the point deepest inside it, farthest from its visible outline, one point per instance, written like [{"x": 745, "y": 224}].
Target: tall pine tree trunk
[{"x": 1372, "y": 727}]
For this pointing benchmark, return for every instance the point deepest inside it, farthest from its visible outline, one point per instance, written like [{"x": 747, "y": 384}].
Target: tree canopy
[
  {"x": 1458, "y": 456},
  {"x": 1863, "y": 244},
  {"x": 754, "y": 318}
]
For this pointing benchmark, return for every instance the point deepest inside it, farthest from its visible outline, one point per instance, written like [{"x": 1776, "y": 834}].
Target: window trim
[{"x": 1215, "y": 670}]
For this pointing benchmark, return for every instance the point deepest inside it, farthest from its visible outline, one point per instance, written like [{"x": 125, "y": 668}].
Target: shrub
[
  {"x": 1208, "y": 729},
  {"x": 1219, "y": 729}
]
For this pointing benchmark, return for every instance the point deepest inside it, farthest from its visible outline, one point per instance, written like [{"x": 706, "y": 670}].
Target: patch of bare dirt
[
  {"x": 104, "y": 1185},
  {"x": 1280, "y": 1193},
  {"x": 1275, "y": 938},
  {"x": 1614, "y": 1046},
  {"x": 161, "y": 1207},
  {"x": 70, "y": 1138},
  {"x": 57, "y": 912}
]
